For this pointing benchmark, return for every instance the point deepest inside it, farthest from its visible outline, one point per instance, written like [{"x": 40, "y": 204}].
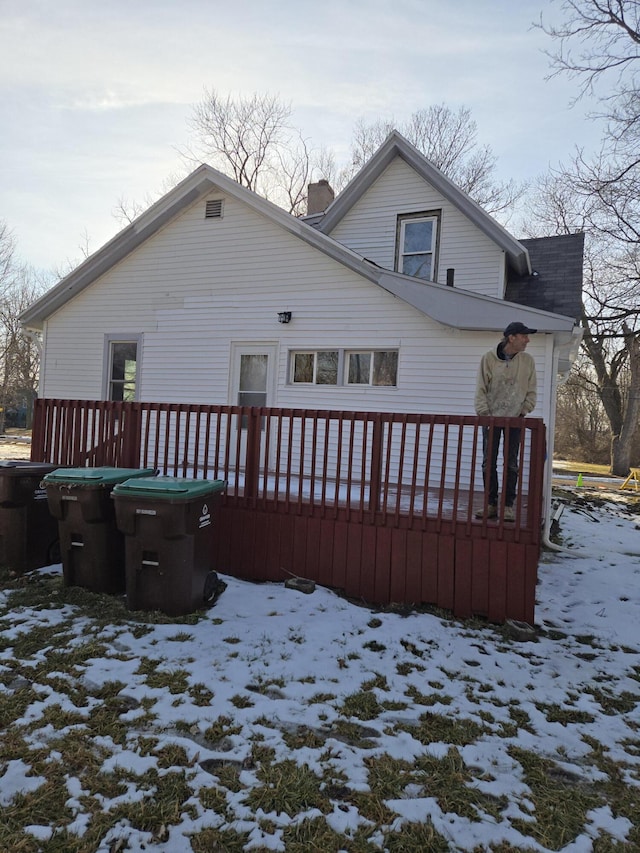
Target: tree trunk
[{"x": 622, "y": 443}]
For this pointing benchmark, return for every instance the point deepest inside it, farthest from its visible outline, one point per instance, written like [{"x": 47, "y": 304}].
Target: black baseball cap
[{"x": 518, "y": 329}]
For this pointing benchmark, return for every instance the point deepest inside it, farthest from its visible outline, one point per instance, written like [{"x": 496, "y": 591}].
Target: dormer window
[{"x": 417, "y": 242}]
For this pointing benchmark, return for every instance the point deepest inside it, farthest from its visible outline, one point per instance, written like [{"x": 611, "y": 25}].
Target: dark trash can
[
  {"x": 28, "y": 531},
  {"x": 91, "y": 546},
  {"x": 168, "y": 526}
]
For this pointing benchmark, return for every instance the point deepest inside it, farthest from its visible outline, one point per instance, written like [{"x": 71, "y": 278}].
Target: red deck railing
[{"x": 380, "y": 505}]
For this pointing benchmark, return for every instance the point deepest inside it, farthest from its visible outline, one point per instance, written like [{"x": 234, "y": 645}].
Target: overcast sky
[{"x": 95, "y": 94}]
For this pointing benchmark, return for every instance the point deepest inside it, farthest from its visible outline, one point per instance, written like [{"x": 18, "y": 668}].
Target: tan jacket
[{"x": 506, "y": 388}]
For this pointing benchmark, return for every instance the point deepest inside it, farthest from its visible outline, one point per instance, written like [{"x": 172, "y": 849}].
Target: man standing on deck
[{"x": 506, "y": 388}]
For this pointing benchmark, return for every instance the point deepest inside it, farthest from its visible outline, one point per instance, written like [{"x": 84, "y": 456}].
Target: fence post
[
  {"x": 37, "y": 431},
  {"x": 131, "y": 438},
  {"x": 538, "y": 458},
  {"x": 252, "y": 461},
  {"x": 376, "y": 464}
]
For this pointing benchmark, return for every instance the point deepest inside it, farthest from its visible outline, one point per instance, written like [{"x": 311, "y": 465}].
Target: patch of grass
[
  {"x": 362, "y": 705},
  {"x": 200, "y": 694},
  {"x": 287, "y": 787},
  {"x": 221, "y": 728},
  {"x": 451, "y": 783},
  {"x": 211, "y": 839},
  {"x": 164, "y": 800},
  {"x": 373, "y": 808},
  {"x": 57, "y": 717},
  {"x": 13, "y": 705},
  {"x": 436, "y": 728},
  {"x": 556, "y": 714},
  {"x": 427, "y": 698},
  {"x": 239, "y": 701},
  {"x": 314, "y": 835},
  {"x": 387, "y": 777},
  {"x": 410, "y": 647},
  {"x": 620, "y": 703},
  {"x": 391, "y": 705},
  {"x": 374, "y": 646},
  {"x": 379, "y": 682},
  {"x": 39, "y": 638},
  {"x": 266, "y": 685},
  {"x": 353, "y": 734},
  {"x": 560, "y": 804},
  {"x": 321, "y": 698},
  {"x": 175, "y": 681},
  {"x": 229, "y": 777},
  {"x": 406, "y": 668},
  {"x": 214, "y": 800},
  {"x": 173, "y": 755},
  {"x": 622, "y": 797},
  {"x": 413, "y": 837},
  {"x": 180, "y": 637},
  {"x": 303, "y": 737}
]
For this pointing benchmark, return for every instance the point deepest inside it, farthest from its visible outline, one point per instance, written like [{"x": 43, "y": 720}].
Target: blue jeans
[{"x": 510, "y": 457}]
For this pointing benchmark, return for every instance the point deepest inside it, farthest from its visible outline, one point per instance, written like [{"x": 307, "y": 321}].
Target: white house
[{"x": 390, "y": 297}]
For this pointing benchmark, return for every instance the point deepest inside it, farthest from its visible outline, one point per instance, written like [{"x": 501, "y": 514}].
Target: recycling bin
[
  {"x": 28, "y": 531},
  {"x": 91, "y": 546},
  {"x": 168, "y": 527}
]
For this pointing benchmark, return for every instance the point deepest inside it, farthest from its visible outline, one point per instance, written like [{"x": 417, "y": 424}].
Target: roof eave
[{"x": 462, "y": 309}]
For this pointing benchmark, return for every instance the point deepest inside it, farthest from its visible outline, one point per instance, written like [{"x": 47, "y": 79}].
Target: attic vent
[{"x": 213, "y": 209}]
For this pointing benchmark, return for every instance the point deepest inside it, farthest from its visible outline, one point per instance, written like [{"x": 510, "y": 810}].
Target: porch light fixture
[{"x": 284, "y": 316}]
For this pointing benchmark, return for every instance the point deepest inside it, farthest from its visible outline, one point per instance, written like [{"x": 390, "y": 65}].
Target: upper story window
[
  {"x": 344, "y": 367},
  {"x": 122, "y": 365},
  {"x": 417, "y": 242}
]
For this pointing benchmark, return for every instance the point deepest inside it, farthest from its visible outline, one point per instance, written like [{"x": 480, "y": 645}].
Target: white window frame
[
  {"x": 342, "y": 378},
  {"x": 119, "y": 338},
  {"x": 314, "y": 353},
  {"x": 405, "y": 219},
  {"x": 372, "y": 357}
]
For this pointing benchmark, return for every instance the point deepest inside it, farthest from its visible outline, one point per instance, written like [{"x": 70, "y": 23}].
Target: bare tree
[
  {"x": 610, "y": 307},
  {"x": 251, "y": 139},
  {"x": 598, "y": 44},
  {"x": 450, "y": 141},
  {"x": 582, "y": 428},
  {"x": 597, "y": 38},
  {"x": 7, "y": 250},
  {"x": 19, "y": 354}
]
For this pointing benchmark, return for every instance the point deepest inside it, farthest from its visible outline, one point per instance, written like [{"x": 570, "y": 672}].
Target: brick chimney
[{"x": 319, "y": 196}]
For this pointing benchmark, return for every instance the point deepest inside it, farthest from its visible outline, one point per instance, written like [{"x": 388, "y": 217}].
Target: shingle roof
[{"x": 557, "y": 287}]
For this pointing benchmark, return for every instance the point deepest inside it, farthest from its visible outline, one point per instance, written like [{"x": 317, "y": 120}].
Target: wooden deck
[{"x": 379, "y": 505}]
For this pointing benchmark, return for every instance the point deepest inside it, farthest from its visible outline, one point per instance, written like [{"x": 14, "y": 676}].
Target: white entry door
[{"x": 252, "y": 384}]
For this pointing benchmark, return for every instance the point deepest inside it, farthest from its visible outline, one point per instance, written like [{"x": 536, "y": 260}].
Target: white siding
[
  {"x": 198, "y": 286},
  {"x": 370, "y": 229}
]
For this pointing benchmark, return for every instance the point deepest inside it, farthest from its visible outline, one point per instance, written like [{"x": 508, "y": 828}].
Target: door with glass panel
[{"x": 252, "y": 385}]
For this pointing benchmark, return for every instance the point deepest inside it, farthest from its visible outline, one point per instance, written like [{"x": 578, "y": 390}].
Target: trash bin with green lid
[
  {"x": 91, "y": 546},
  {"x": 168, "y": 527},
  {"x": 28, "y": 531}
]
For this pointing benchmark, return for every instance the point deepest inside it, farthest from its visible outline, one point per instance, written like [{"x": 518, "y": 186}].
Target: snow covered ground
[{"x": 283, "y": 721}]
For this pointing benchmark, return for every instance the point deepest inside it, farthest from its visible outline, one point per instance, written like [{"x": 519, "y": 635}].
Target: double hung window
[
  {"x": 417, "y": 245},
  {"x": 122, "y": 369}
]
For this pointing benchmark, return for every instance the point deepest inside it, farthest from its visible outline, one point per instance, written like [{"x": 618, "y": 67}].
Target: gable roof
[
  {"x": 395, "y": 145},
  {"x": 556, "y": 282},
  {"x": 450, "y": 306}
]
